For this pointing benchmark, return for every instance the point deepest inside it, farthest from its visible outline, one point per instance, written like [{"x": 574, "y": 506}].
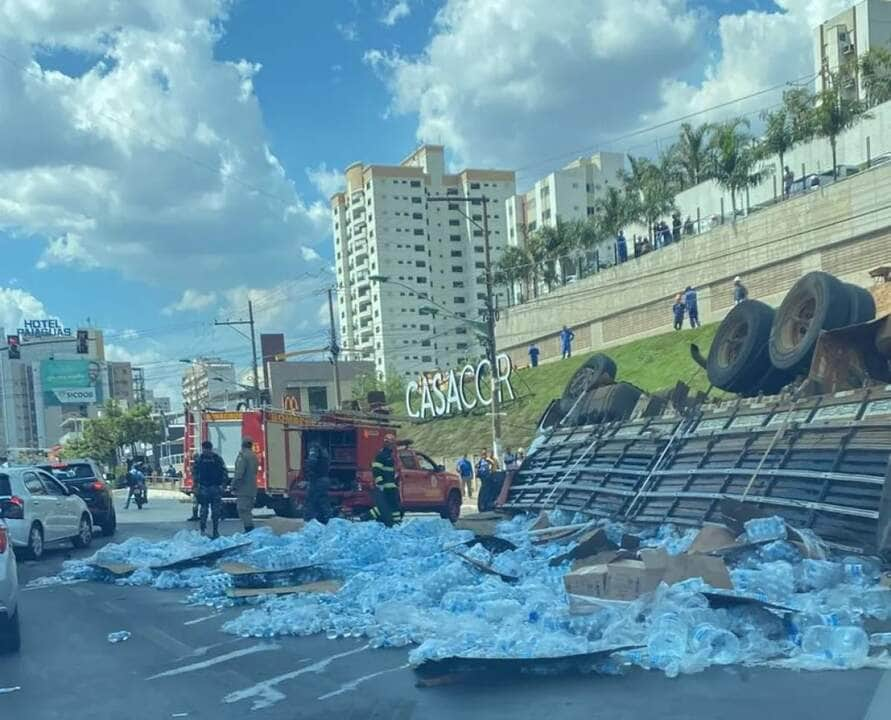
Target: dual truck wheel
[{"x": 758, "y": 350}]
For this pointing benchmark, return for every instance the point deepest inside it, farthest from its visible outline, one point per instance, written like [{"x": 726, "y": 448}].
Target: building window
[
  {"x": 546, "y": 214},
  {"x": 474, "y": 186},
  {"x": 420, "y": 263},
  {"x": 453, "y": 206},
  {"x": 591, "y": 211},
  {"x": 454, "y": 223},
  {"x": 460, "y": 331},
  {"x": 416, "y": 183},
  {"x": 481, "y": 296},
  {"x": 477, "y": 217},
  {"x": 459, "y": 300},
  {"x": 451, "y": 191},
  {"x": 477, "y": 233},
  {"x": 457, "y": 268},
  {"x": 419, "y": 231},
  {"x": 479, "y": 248},
  {"x": 318, "y": 398},
  {"x": 423, "y": 326},
  {"x": 425, "y": 343},
  {"x": 457, "y": 253},
  {"x": 458, "y": 284},
  {"x": 427, "y": 358},
  {"x": 455, "y": 238},
  {"x": 480, "y": 266},
  {"x": 416, "y": 200},
  {"x": 417, "y": 216},
  {"x": 419, "y": 248},
  {"x": 461, "y": 346},
  {"x": 421, "y": 280}
]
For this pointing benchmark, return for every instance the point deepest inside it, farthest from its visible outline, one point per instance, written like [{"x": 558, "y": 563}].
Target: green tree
[
  {"x": 735, "y": 158},
  {"x": 778, "y": 138},
  {"x": 834, "y": 114},
  {"x": 649, "y": 190},
  {"x": 875, "y": 72},
  {"x": 106, "y": 436},
  {"x": 692, "y": 153},
  {"x": 392, "y": 387},
  {"x": 514, "y": 266},
  {"x": 798, "y": 103}
]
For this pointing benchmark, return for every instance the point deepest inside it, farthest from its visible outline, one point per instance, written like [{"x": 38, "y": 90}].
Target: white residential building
[
  {"x": 842, "y": 40},
  {"x": 208, "y": 382},
  {"x": 568, "y": 194},
  {"x": 432, "y": 255}
]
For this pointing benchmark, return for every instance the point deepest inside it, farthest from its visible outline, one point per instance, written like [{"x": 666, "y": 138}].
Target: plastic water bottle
[
  {"x": 861, "y": 570},
  {"x": 718, "y": 646},
  {"x": 844, "y": 646},
  {"x": 877, "y": 603},
  {"x": 118, "y": 636},
  {"x": 880, "y": 639},
  {"x": 764, "y": 529},
  {"x": 667, "y": 643}
]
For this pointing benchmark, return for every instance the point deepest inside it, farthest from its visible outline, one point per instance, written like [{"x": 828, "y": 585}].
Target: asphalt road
[{"x": 178, "y": 664}]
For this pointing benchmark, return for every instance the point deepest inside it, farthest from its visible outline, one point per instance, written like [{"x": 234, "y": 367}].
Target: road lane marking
[
  {"x": 50, "y": 581},
  {"x": 210, "y": 662},
  {"x": 5, "y": 691},
  {"x": 202, "y": 619},
  {"x": 353, "y": 684},
  {"x": 265, "y": 693}
]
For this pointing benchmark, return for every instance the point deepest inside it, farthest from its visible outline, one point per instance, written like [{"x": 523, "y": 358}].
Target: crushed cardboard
[
  {"x": 116, "y": 569},
  {"x": 591, "y": 543},
  {"x": 247, "y": 576},
  {"x": 200, "y": 558},
  {"x": 466, "y": 669},
  {"x": 627, "y": 578},
  {"x": 320, "y": 586}
]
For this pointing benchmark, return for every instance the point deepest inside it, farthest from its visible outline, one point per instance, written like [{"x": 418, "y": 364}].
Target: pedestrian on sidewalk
[
  {"x": 740, "y": 292},
  {"x": 465, "y": 472},
  {"x": 210, "y": 477},
  {"x": 678, "y": 310},
  {"x": 692, "y": 305},
  {"x": 566, "y": 338},
  {"x": 533, "y": 355},
  {"x": 244, "y": 483}
]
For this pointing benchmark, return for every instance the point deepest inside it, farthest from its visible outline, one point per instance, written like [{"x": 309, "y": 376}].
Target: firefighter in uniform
[
  {"x": 387, "y": 505},
  {"x": 317, "y": 505}
]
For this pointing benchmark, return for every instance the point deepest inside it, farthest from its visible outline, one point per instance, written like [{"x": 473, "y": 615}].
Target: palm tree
[
  {"x": 514, "y": 266},
  {"x": 798, "y": 104},
  {"x": 691, "y": 153},
  {"x": 778, "y": 138},
  {"x": 834, "y": 114},
  {"x": 735, "y": 158},
  {"x": 875, "y": 72},
  {"x": 649, "y": 190},
  {"x": 558, "y": 242}
]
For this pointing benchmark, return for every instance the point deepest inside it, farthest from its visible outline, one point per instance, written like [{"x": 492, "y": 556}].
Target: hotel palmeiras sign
[
  {"x": 43, "y": 328},
  {"x": 444, "y": 394}
]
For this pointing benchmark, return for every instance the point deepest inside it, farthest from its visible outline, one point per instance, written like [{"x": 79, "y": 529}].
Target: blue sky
[{"x": 165, "y": 161}]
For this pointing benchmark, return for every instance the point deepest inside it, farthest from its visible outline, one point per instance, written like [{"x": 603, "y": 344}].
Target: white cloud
[
  {"x": 309, "y": 255},
  {"x": 326, "y": 181},
  {"x": 548, "y": 85},
  {"x": 348, "y": 31},
  {"x": 157, "y": 151},
  {"x": 191, "y": 301},
  {"x": 395, "y": 13},
  {"x": 17, "y": 305}
]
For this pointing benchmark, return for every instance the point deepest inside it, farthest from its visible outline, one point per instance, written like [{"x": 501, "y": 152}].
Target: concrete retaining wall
[{"x": 844, "y": 229}]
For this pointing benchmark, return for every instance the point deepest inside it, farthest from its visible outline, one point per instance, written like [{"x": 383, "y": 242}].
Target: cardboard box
[
  {"x": 626, "y": 578},
  {"x": 712, "y": 537}
]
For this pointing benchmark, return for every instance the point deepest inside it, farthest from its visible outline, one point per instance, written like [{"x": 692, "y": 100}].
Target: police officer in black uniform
[
  {"x": 318, "y": 504},
  {"x": 210, "y": 476},
  {"x": 387, "y": 505}
]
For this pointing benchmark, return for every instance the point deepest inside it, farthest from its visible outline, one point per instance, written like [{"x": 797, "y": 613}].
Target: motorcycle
[{"x": 139, "y": 495}]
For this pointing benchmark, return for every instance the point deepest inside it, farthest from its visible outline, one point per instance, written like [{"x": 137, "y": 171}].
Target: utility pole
[
  {"x": 334, "y": 348},
  {"x": 489, "y": 340},
  {"x": 253, "y": 338},
  {"x": 490, "y": 337}
]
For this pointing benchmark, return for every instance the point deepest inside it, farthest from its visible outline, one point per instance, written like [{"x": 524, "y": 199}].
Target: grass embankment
[{"x": 653, "y": 364}]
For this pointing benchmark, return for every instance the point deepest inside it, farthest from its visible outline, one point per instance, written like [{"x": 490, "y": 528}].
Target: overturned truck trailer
[{"x": 813, "y": 454}]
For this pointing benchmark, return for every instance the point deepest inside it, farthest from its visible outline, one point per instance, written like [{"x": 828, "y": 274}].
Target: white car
[
  {"x": 10, "y": 639},
  {"x": 40, "y": 511}
]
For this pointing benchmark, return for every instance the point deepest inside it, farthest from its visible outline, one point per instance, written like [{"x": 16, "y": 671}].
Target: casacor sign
[{"x": 441, "y": 395}]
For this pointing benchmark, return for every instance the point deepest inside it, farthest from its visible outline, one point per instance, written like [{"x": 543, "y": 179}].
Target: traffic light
[
  {"x": 12, "y": 342},
  {"x": 82, "y": 342}
]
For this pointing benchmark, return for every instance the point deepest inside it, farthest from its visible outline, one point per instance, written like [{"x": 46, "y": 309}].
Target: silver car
[
  {"x": 10, "y": 639},
  {"x": 40, "y": 511}
]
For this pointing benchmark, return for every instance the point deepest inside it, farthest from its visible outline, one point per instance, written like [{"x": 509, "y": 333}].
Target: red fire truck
[{"x": 281, "y": 440}]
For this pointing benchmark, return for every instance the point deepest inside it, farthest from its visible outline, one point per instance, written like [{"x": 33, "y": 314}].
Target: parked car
[
  {"x": 10, "y": 637},
  {"x": 40, "y": 511},
  {"x": 85, "y": 476}
]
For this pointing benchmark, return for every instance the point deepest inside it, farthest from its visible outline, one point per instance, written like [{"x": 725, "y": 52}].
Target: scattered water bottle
[
  {"x": 118, "y": 636},
  {"x": 862, "y": 570},
  {"x": 880, "y": 639},
  {"x": 718, "y": 646},
  {"x": 764, "y": 529},
  {"x": 668, "y": 643},
  {"x": 843, "y": 646}
]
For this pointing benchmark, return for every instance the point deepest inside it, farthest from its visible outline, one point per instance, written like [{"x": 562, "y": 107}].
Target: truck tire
[
  {"x": 738, "y": 357},
  {"x": 610, "y": 403},
  {"x": 863, "y": 305},
  {"x": 452, "y": 509},
  {"x": 818, "y": 301},
  {"x": 597, "y": 370}
]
